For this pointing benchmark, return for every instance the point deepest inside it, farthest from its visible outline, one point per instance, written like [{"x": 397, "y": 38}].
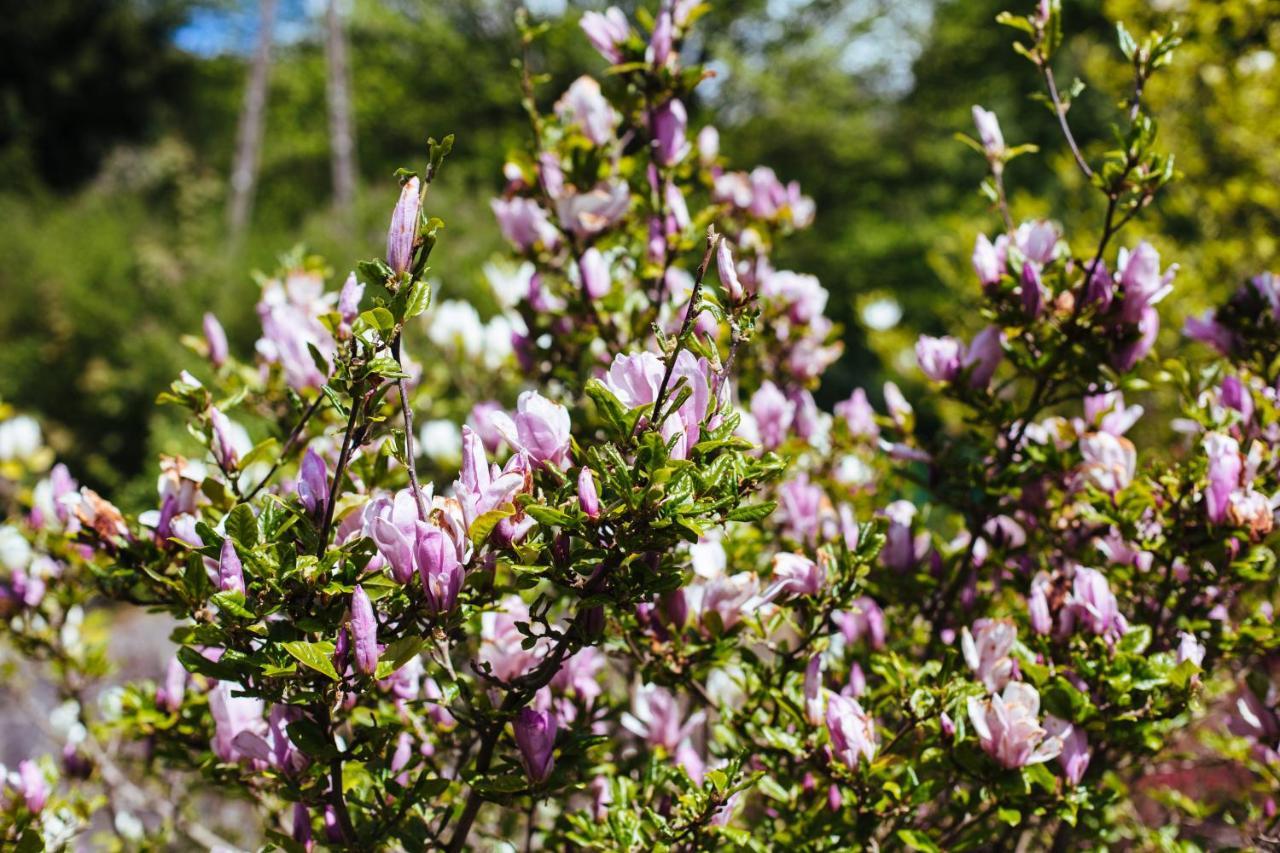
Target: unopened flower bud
[
  {"x": 404, "y": 227},
  {"x": 364, "y": 632}
]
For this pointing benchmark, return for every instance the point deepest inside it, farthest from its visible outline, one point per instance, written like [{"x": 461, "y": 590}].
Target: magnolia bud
[
  {"x": 230, "y": 570},
  {"x": 588, "y": 500},
  {"x": 535, "y": 733},
  {"x": 364, "y": 632},
  {"x": 216, "y": 339},
  {"x": 313, "y": 482},
  {"x": 404, "y": 227},
  {"x": 224, "y": 449},
  {"x": 728, "y": 273},
  {"x": 593, "y": 269},
  {"x": 439, "y": 569}
]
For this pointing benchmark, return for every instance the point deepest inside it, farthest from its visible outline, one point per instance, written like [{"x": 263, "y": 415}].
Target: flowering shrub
[{"x": 629, "y": 587}]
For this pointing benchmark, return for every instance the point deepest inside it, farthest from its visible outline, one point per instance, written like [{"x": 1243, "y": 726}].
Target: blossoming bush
[{"x": 648, "y": 594}]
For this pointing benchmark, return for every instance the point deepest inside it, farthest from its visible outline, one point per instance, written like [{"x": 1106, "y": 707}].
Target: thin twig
[
  {"x": 288, "y": 446},
  {"x": 1061, "y": 111}
]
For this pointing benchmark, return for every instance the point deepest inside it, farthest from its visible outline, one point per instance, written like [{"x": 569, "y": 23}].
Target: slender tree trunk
[
  {"x": 244, "y": 171},
  {"x": 342, "y": 146}
]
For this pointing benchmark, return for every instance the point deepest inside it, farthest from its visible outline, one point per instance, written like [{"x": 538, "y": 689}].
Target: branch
[{"x": 1061, "y": 111}]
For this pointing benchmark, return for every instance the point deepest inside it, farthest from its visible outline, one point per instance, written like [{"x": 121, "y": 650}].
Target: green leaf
[
  {"x": 1135, "y": 640},
  {"x": 232, "y": 602},
  {"x": 917, "y": 840},
  {"x": 242, "y": 526},
  {"x": 195, "y": 662},
  {"x": 397, "y": 655},
  {"x": 483, "y": 526},
  {"x": 317, "y": 656},
  {"x": 547, "y": 515},
  {"x": 752, "y": 512},
  {"x": 311, "y": 739}
]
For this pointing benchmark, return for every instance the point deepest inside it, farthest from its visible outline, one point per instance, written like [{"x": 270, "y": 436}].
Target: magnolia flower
[
  {"x": 524, "y": 223},
  {"x": 234, "y": 717},
  {"x": 1234, "y": 394},
  {"x": 983, "y": 355},
  {"x": 230, "y": 570},
  {"x": 1038, "y": 606},
  {"x": 708, "y": 145},
  {"x": 222, "y": 442},
  {"x": 439, "y": 568},
  {"x": 540, "y": 429},
  {"x": 728, "y": 273},
  {"x": 1143, "y": 286},
  {"x": 1189, "y": 648},
  {"x": 535, "y": 733},
  {"x": 1109, "y": 461},
  {"x": 1093, "y": 604},
  {"x": 853, "y": 735},
  {"x": 1075, "y": 755},
  {"x": 1108, "y": 413},
  {"x": 939, "y": 358},
  {"x": 313, "y": 482},
  {"x": 773, "y": 413},
  {"x": 169, "y": 694},
  {"x": 795, "y": 574},
  {"x": 215, "y": 339},
  {"x": 668, "y": 126},
  {"x": 607, "y": 32},
  {"x": 989, "y": 258},
  {"x": 588, "y": 500},
  {"x": 635, "y": 379},
  {"x": 31, "y": 785},
  {"x": 1208, "y": 330},
  {"x": 1225, "y": 468},
  {"x": 404, "y": 227},
  {"x": 588, "y": 213},
  {"x": 858, "y": 415},
  {"x": 1037, "y": 241},
  {"x": 1009, "y": 729},
  {"x": 814, "y": 695},
  {"x": 364, "y": 631},
  {"x": 584, "y": 105},
  {"x": 656, "y": 716},
  {"x": 900, "y": 552},
  {"x": 986, "y": 651},
  {"x": 290, "y": 312},
  {"x": 864, "y": 619},
  {"x": 593, "y": 271},
  {"x": 989, "y": 131},
  {"x": 802, "y": 503}
]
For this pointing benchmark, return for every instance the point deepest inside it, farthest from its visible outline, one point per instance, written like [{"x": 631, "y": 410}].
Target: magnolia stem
[
  {"x": 411, "y": 461},
  {"x": 357, "y": 403}
]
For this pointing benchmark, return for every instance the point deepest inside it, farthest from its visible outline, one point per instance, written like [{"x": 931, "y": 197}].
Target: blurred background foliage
[{"x": 118, "y": 128}]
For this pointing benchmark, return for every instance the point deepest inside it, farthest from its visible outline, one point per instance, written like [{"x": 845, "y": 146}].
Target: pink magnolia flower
[
  {"x": 593, "y": 271},
  {"x": 670, "y": 124},
  {"x": 313, "y": 482},
  {"x": 1037, "y": 241},
  {"x": 540, "y": 429},
  {"x": 230, "y": 569},
  {"x": 656, "y": 716},
  {"x": 814, "y": 695},
  {"x": 635, "y": 379},
  {"x": 1189, "y": 648},
  {"x": 1140, "y": 279},
  {"x": 1008, "y": 727},
  {"x": 535, "y": 733},
  {"x": 404, "y": 227},
  {"x": 1038, "y": 606},
  {"x": 864, "y": 619},
  {"x": 364, "y": 631},
  {"x": 607, "y": 31},
  {"x": 1108, "y": 413},
  {"x": 901, "y": 548},
  {"x": 233, "y": 716},
  {"x": 1075, "y": 755},
  {"x": 1109, "y": 461},
  {"x": 852, "y": 733},
  {"x": 858, "y": 415},
  {"x": 1225, "y": 467},
  {"x": 290, "y": 313},
  {"x": 588, "y": 213},
  {"x": 986, "y": 650},
  {"x": 773, "y": 413},
  {"x": 215, "y": 339},
  {"x": 441, "y": 572},
  {"x": 983, "y": 355},
  {"x": 802, "y": 503},
  {"x": 1208, "y": 330},
  {"x": 585, "y": 106},
  {"x": 989, "y": 131},
  {"x": 989, "y": 258},
  {"x": 795, "y": 575},
  {"x": 588, "y": 499},
  {"x": 939, "y": 358},
  {"x": 1093, "y": 604},
  {"x": 524, "y": 223}
]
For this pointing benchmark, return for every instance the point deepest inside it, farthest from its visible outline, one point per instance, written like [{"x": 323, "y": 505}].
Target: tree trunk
[
  {"x": 342, "y": 147},
  {"x": 244, "y": 171}
]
